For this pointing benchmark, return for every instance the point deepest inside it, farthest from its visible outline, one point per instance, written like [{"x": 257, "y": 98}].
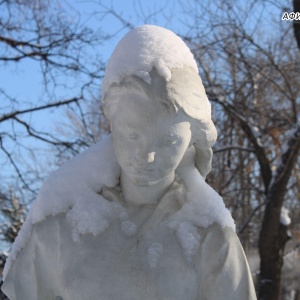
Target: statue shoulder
[
  {"x": 219, "y": 239},
  {"x": 221, "y": 254},
  {"x": 84, "y": 174},
  {"x": 72, "y": 192}
]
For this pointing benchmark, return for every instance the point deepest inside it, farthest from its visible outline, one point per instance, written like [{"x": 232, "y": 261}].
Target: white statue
[{"x": 132, "y": 217}]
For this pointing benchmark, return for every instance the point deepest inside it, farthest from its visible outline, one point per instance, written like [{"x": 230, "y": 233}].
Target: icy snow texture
[
  {"x": 77, "y": 181},
  {"x": 284, "y": 217},
  {"x": 154, "y": 253},
  {"x": 74, "y": 189},
  {"x": 188, "y": 237},
  {"x": 144, "y": 50}
]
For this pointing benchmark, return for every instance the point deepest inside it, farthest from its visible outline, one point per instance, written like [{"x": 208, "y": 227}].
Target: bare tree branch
[
  {"x": 259, "y": 150},
  {"x": 13, "y": 114},
  {"x": 226, "y": 148}
]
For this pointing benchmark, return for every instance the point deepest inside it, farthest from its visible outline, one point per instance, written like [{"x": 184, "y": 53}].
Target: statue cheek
[
  {"x": 125, "y": 146},
  {"x": 176, "y": 153},
  {"x": 166, "y": 162}
]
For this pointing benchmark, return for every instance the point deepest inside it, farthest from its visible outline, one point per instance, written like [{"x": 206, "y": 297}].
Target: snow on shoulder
[
  {"x": 146, "y": 47},
  {"x": 203, "y": 208},
  {"x": 75, "y": 189}
]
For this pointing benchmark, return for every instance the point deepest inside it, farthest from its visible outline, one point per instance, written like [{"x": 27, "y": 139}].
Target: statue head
[{"x": 157, "y": 105}]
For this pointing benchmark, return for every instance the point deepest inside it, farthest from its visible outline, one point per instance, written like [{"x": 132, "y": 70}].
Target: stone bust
[{"x": 132, "y": 217}]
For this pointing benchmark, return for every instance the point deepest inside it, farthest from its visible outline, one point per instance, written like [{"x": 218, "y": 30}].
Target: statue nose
[{"x": 150, "y": 157}]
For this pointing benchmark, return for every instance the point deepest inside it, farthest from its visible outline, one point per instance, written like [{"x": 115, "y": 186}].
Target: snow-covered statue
[{"x": 132, "y": 218}]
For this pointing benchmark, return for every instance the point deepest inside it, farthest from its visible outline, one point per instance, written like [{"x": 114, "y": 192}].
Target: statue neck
[{"x": 144, "y": 195}]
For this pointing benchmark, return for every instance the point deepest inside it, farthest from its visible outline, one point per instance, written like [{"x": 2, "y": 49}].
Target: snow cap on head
[{"x": 143, "y": 48}]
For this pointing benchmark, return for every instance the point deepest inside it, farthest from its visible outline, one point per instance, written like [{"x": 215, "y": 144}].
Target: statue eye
[{"x": 168, "y": 142}]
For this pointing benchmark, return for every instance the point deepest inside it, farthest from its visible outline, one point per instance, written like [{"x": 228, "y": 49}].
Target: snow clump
[
  {"x": 146, "y": 47},
  {"x": 128, "y": 228},
  {"x": 75, "y": 189},
  {"x": 284, "y": 217},
  {"x": 154, "y": 253},
  {"x": 188, "y": 237}
]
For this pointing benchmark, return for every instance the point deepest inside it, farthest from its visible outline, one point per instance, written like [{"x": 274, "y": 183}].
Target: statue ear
[
  {"x": 203, "y": 160},
  {"x": 200, "y": 157},
  {"x": 204, "y": 136}
]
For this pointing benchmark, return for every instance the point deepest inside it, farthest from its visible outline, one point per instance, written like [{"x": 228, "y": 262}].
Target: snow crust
[
  {"x": 75, "y": 189},
  {"x": 128, "y": 228},
  {"x": 146, "y": 47},
  {"x": 154, "y": 253},
  {"x": 78, "y": 181}
]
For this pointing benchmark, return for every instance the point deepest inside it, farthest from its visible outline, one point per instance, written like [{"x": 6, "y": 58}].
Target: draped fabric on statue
[{"x": 162, "y": 258}]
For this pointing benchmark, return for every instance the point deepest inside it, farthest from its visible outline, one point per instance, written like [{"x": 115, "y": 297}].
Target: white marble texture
[{"x": 132, "y": 217}]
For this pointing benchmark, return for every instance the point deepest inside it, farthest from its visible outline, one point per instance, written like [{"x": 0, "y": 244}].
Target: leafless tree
[
  {"x": 50, "y": 35},
  {"x": 13, "y": 213},
  {"x": 12, "y": 216},
  {"x": 83, "y": 127}
]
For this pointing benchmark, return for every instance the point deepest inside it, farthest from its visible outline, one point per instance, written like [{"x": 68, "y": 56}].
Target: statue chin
[{"x": 144, "y": 180}]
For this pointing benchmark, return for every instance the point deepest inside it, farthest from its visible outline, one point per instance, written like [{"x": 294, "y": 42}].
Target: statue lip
[
  {"x": 146, "y": 170},
  {"x": 141, "y": 167},
  {"x": 140, "y": 170}
]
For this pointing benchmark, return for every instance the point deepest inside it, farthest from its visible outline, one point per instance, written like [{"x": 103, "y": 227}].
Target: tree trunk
[
  {"x": 296, "y": 4},
  {"x": 273, "y": 238},
  {"x": 273, "y": 235}
]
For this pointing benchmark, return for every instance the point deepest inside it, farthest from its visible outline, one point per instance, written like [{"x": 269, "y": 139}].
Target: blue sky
[{"x": 23, "y": 80}]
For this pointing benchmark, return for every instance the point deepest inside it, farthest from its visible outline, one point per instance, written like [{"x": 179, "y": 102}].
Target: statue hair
[{"x": 169, "y": 96}]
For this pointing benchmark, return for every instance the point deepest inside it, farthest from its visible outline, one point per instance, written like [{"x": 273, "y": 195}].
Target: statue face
[{"x": 149, "y": 140}]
